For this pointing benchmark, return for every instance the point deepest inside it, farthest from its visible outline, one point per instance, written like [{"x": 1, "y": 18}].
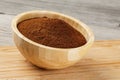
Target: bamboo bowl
[{"x": 49, "y": 57}]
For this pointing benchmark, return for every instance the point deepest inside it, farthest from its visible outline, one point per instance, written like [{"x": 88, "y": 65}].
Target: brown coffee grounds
[{"x": 51, "y": 32}]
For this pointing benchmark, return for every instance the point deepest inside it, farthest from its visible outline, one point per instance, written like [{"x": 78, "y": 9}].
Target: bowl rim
[{"x": 15, "y": 29}]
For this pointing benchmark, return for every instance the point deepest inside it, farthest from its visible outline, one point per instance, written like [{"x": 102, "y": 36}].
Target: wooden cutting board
[{"x": 101, "y": 63}]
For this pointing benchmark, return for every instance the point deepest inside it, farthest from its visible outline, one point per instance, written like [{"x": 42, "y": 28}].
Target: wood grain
[
  {"x": 100, "y": 15},
  {"x": 101, "y": 63}
]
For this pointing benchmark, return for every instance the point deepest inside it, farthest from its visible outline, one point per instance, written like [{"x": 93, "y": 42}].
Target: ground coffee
[{"x": 51, "y": 32}]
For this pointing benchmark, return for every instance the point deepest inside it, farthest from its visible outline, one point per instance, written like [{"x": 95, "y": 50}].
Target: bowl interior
[{"x": 81, "y": 27}]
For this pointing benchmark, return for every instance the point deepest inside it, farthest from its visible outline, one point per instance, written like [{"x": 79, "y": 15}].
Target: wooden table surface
[
  {"x": 102, "y": 16},
  {"x": 101, "y": 63}
]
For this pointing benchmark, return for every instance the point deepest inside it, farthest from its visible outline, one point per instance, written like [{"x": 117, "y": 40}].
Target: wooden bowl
[{"x": 49, "y": 57}]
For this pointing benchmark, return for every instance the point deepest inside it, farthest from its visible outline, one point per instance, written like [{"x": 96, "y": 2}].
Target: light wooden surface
[
  {"x": 101, "y": 63},
  {"x": 103, "y": 16}
]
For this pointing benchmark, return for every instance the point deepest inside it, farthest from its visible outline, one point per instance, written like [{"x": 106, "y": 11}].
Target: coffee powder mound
[{"x": 51, "y": 32}]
